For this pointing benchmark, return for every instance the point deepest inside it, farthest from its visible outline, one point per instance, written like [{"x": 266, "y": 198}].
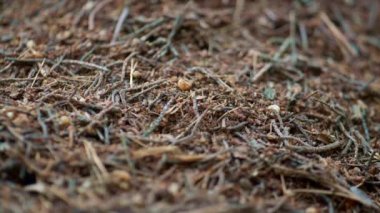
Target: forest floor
[{"x": 189, "y": 106}]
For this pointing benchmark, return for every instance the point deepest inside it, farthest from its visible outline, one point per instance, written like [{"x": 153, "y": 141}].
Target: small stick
[
  {"x": 238, "y": 10},
  {"x": 373, "y": 14},
  {"x": 40, "y": 120},
  {"x": 60, "y": 59},
  {"x": 89, "y": 53},
  {"x": 38, "y": 72},
  {"x": 123, "y": 74},
  {"x": 304, "y": 38},
  {"x": 124, "y": 70},
  {"x": 85, "y": 8},
  {"x": 237, "y": 126},
  {"x": 368, "y": 164},
  {"x": 151, "y": 25},
  {"x": 71, "y": 130},
  {"x": 119, "y": 24},
  {"x": 85, "y": 64},
  {"x": 322, "y": 192},
  {"x": 209, "y": 74},
  {"x": 292, "y": 18},
  {"x": 332, "y": 108},
  {"x": 193, "y": 126},
  {"x": 319, "y": 149},
  {"x": 4, "y": 80},
  {"x": 276, "y": 56},
  {"x": 168, "y": 45},
  {"x": 306, "y": 149},
  {"x": 99, "y": 168},
  {"x": 327, "y": 179},
  {"x": 125, "y": 142},
  {"x": 30, "y": 60},
  {"x": 195, "y": 104},
  {"x": 302, "y": 131},
  {"x": 366, "y": 147},
  {"x": 65, "y": 61},
  {"x": 6, "y": 67},
  {"x": 13, "y": 132},
  {"x": 338, "y": 34},
  {"x": 158, "y": 98},
  {"x": 351, "y": 139},
  {"x": 142, "y": 92},
  {"x": 365, "y": 126},
  {"x": 91, "y": 17},
  {"x": 158, "y": 120},
  {"x": 98, "y": 117},
  {"x": 160, "y": 81},
  {"x": 132, "y": 70},
  {"x": 228, "y": 112},
  {"x": 254, "y": 63}
]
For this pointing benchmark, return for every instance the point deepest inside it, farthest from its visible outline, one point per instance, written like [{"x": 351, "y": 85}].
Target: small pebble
[
  {"x": 64, "y": 121},
  {"x": 137, "y": 74},
  {"x": 274, "y": 108},
  {"x": 311, "y": 210},
  {"x": 184, "y": 84}
]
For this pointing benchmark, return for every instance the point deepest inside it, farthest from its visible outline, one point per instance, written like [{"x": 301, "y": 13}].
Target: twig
[
  {"x": 124, "y": 141},
  {"x": 85, "y": 64},
  {"x": 209, "y": 74},
  {"x": 122, "y": 92},
  {"x": 373, "y": 14},
  {"x": 91, "y": 17},
  {"x": 132, "y": 70},
  {"x": 151, "y": 25},
  {"x": 254, "y": 64},
  {"x": 366, "y": 147},
  {"x": 30, "y": 60},
  {"x": 319, "y": 149},
  {"x": 322, "y": 192},
  {"x": 332, "y": 108},
  {"x": 13, "y": 132},
  {"x": 195, "y": 104},
  {"x": 88, "y": 53},
  {"x": 40, "y": 67},
  {"x": 365, "y": 126},
  {"x": 85, "y": 8},
  {"x": 142, "y": 92},
  {"x": 168, "y": 46},
  {"x": 238, "y": 10},
  {"x": 304, "y": 38},
  {"x": 306, "y": 148},
  {"x": 123, "y": 74},
  {"x": 338, "y": 34},
  {"x": 4, "y": 80},
  {"x": 40, "y": 120},
  {"x": 276, "y": 56},
  {"x": 193, "y": 126},
  {"x": 292, "y": 18},
  {"x": 351, "y": 140},
  {"x": 65, "y": 61},
  {"x": 327, "y": 180},
  {"x": 157, "y": 121},
  {"x": 302, "y": 131},
  {"x": 120, "y": 21},
  {"x": 237, "y": 126},
  {"x": 97, "y": 118},
  {"x": 99, "y": 168},
  {"x": 368, "y": 164},
  {"x": 6, "y": 67}
]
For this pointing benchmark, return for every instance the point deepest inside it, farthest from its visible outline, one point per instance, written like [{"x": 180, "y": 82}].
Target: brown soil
[{"x": 189, "y": 106}]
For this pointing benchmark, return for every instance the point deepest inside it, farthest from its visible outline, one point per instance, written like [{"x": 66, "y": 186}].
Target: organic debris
[{"x": 198, "y": 106}]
